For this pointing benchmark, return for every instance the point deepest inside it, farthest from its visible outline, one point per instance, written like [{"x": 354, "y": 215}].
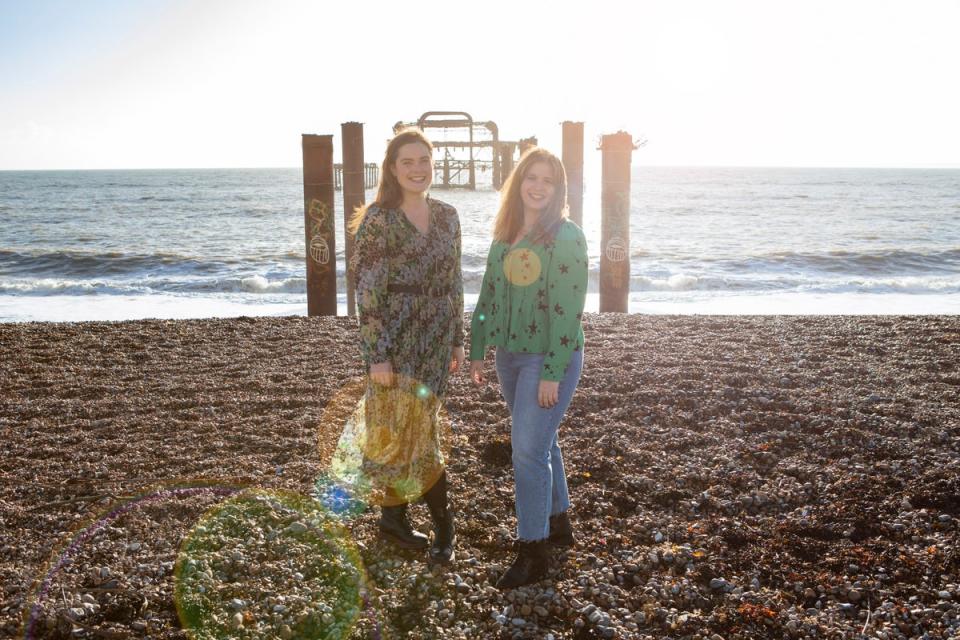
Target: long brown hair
[
  {"x": 509, "y": 220},
  {"x": 389, "y": 193}
]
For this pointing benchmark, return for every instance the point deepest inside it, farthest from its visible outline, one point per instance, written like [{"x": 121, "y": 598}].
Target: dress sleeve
[
  {"x": 481, "y": 312},
  {"x": 372, "y": 273},
  {"x": 567, "y": 293},
  {"x": 457, "y": 292}
]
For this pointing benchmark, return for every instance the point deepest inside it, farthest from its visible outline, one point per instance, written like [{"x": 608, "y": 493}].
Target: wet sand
[{"x": 732, "y": 477}]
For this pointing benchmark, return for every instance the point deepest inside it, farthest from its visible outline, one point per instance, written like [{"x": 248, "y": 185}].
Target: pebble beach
[{"x": 732, "y": 477}]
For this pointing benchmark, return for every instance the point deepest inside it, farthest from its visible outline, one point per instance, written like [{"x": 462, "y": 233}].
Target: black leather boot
[
  {"x": 530, "y": 565},
  {"x": 444, "y": 531},
  {"x": 561, "y": 533},
  {"x": 395, "y": 527}
]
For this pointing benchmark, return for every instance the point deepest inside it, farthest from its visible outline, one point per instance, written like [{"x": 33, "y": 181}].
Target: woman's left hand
[
  {"x": 549, "y": 393},
  {"x": 459, "y": 357}
]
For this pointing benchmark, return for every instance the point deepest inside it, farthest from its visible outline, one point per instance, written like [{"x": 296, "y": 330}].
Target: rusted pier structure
[
  {"x": 353, "y": 195},
  {"x": 526, "y": 144},
  {"x": 573, "y": 163},
  {"x": 319, "y": 224},
  {"x": 371, "y": 175},
  {"x": 484, "y": 152},
  {"x": 463, "y": 147},
  {"x": 617, "y": 151}
]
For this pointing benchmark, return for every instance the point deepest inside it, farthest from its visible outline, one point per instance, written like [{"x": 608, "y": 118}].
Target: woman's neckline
[{"x": 422, "y": 234}]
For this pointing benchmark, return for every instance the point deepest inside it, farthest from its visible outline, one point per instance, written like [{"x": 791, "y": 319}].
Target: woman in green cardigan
[{"x": 530, "y": 307}]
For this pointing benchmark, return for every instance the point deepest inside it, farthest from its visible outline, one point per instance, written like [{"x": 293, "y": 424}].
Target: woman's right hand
[
  {"x": 476, "y": 372},
  {"x": 382, "y": 373}
]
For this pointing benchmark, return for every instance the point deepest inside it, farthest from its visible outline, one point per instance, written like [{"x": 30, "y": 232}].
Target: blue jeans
[{"x": 540, "y": 482}]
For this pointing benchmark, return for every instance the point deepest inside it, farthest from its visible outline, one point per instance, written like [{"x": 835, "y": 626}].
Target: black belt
[{"x": 436, "y": 292}]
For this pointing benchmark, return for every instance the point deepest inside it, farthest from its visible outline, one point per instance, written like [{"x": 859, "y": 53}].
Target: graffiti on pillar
[
  {"x": 319, "y": 214},
  {"x": 319, "y": 250},
  {"x": 616, "y": 249}
]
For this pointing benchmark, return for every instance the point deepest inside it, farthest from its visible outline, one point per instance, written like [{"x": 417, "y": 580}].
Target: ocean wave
[
  {"x": 892, "y": 262},
  {"x": 257, "y": 284},
  {"x": 106, "y": 263},
  {"x": 52, "y": 286},
  {"x": 915, "y": 285},
  {"x": 162, "y": 199}
]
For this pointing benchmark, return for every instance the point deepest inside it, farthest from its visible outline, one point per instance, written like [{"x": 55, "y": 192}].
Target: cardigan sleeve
[
  {"x": 566, "y": 295},
  {"x": 481, "y": 312},
  {"x": 372, "y": 273}
]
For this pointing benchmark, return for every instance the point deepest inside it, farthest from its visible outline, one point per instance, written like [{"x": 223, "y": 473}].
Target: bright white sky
[{"x": 233, "y": 83}]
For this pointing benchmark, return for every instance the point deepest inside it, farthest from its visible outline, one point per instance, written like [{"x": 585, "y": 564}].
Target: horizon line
[{"x": 651, "y": 166}]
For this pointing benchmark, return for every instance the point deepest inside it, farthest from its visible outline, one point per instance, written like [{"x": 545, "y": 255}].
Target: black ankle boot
[
  {"x": 561, "y": 533},
  {"x": 444, "y": 531},
  {"x": 530, "y": 565},
  {"x": 395, "y": 526}
]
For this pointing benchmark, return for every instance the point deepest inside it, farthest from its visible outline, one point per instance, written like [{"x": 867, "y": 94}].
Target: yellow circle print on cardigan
[{"x": 522, "y": 267}]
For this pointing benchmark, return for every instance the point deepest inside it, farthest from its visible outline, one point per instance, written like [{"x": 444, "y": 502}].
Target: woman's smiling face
[
  {"x": 538, "y": 187},
  {"x": 414, "y": 167}
]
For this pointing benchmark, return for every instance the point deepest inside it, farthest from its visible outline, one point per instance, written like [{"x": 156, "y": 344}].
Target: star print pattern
[{"x": 544, "y": 319}]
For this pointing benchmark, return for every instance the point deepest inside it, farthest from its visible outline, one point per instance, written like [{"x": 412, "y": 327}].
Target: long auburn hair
[
  {"x": 389, "y": 193},
  {"x": 509, "y": 219}
]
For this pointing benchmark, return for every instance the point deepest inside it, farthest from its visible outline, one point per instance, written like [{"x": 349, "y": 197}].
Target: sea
[{"x": 188, "y": 243}]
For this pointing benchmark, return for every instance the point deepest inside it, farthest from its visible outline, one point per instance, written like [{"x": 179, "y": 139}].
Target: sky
[{"x": 234, "y": 83}]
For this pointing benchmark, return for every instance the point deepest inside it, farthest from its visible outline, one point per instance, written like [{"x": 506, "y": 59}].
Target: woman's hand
[
  {"x": 382, "y": 373},
  {"x": 476, "y": 372},
  {"x": 548, "y": 393},
  {"x": 459, "y": 357}
]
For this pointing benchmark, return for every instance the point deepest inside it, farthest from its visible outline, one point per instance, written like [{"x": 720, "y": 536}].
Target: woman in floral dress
[{"x": 410, "y": 303}]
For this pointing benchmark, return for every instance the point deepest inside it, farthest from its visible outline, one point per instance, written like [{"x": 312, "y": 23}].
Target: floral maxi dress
[{"x": 410, "y": 304}]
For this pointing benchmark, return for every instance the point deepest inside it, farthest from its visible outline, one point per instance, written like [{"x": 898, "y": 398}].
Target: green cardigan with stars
[{"x": 531, "y": 299}]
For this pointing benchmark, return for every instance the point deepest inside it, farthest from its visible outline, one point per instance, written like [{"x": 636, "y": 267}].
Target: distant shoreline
[{"x": 636, "y": 166}]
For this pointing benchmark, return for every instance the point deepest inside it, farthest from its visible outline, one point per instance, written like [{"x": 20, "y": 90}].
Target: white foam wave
[
  {"x": 906, "y": 284},
  {"x": 52, "y": 286},
  {"x": 259, "y": 284}
]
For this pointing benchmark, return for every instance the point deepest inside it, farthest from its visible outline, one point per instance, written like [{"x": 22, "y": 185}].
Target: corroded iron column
[
  {"x": 527, "y": 143},
  {"x": 353, "y": 195},
  {"x": 319, "y": 224},
  {"x": 617, "y": 150},
  {"x": 573, "y": 163},
  {"x": 506, "y": 160}
]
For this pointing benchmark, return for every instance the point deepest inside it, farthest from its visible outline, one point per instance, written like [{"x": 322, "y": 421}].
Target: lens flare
[
  {"x": 66, "y": 555},
  {"x": 522, "y": 267},
  {"x": 389, "y": 447},
  {"x": 269, "y": 564}
]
